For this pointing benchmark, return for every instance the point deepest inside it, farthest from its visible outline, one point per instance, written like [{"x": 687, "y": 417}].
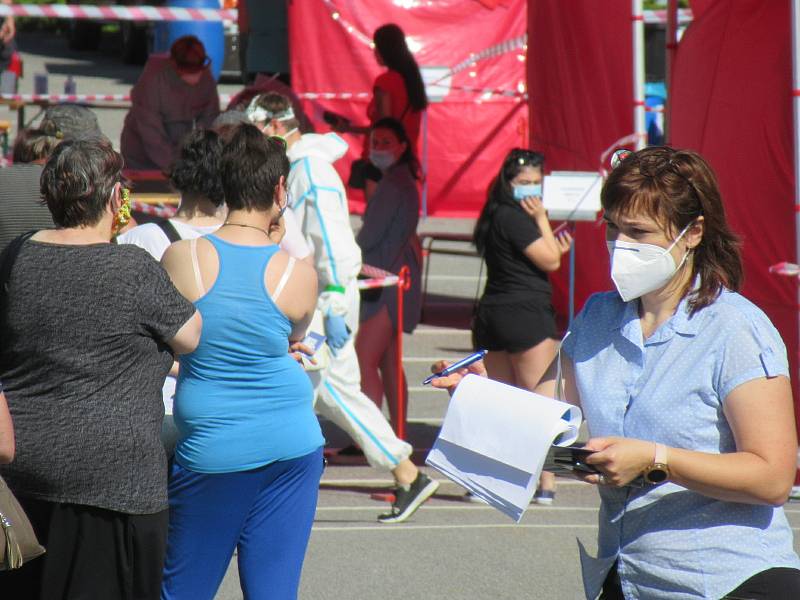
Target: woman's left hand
[
  {"x": 621, "y": 460},
  {"x": 298, "y": 349},
  {"x": 564, "y": 241}
]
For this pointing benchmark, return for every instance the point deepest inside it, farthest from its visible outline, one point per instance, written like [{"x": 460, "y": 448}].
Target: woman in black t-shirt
[{"x": 515, "y": 320}]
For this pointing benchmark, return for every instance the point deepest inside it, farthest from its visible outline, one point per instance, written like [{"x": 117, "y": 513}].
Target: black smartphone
[
  {"x": 571, "y": 458},
  {"x": 331, "y": 118}
]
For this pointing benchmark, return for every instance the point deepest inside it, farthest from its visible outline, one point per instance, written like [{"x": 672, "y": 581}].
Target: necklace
[{"x": 264, "y": 231}]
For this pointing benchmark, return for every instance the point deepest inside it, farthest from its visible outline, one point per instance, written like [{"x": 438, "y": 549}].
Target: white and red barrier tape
[
  {"x": 61, "y": 98},
  {"x": 165, "y": 13},
  {"x": 786, "y": 269},
  {"x": 376, "y": 278},
  {"x": 223, "y": 98},
  {"x": 117, "y": 13}
]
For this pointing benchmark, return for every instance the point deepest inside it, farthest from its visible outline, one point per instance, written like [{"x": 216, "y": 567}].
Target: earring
[{"x": 123, "y": 215}]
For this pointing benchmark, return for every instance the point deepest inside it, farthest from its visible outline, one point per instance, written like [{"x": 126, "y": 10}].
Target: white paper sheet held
[{"x": 495, "y": 438}]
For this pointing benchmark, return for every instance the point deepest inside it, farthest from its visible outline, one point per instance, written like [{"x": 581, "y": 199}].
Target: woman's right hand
[
  {"x": 534, "y": 207},
  {"x": 450, "y": 383}
]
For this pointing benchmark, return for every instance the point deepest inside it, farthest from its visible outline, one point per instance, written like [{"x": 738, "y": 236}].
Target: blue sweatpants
[{"x": 266, "y": 513}]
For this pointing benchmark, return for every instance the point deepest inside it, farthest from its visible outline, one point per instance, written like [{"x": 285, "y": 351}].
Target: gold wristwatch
[{"x": 658, "y": 472}]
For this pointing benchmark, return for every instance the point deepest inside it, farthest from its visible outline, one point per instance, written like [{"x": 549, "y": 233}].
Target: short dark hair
[
  {"x": 197, "y": 169},
  {"x": 78, "y": 179},
  {"x": 33, "y": 144},
  {"x": 252, "y": 165},
  {"x": 189, "y": 54},
  {"x": 675, "y": 188},
  {"x": 71, "y": 122}
]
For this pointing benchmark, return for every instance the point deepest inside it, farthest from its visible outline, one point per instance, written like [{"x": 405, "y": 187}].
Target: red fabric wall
[
  {"x": 732, "y": 102},
  {"x": 469, "y": 133},
  {"x": 581, "y": 101}
]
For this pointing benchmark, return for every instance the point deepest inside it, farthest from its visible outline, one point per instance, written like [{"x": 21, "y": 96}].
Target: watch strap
[{"x": 660, "y": 457}]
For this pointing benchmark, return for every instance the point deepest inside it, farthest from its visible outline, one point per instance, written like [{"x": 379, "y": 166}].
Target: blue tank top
[{"x": 242, "y": 402}]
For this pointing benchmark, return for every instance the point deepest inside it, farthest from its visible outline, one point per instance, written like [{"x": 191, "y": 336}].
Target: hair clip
[{"x": 619, "y": 156}]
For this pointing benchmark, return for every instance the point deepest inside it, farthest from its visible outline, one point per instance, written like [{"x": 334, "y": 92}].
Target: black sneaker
[{"x": 408, "y": 501}]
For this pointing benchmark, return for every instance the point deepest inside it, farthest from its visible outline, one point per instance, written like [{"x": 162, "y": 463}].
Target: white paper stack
[{"x": 495, "y": 438}]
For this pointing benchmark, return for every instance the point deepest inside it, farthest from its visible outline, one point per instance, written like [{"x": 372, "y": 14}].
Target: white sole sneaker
[{"x": 425, "y": 493}]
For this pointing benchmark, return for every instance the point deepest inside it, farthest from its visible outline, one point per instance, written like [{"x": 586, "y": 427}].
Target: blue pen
[{"x": 464, "y": 362}]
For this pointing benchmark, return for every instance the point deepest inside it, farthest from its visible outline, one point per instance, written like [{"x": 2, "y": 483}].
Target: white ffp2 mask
[{"x": 638, "y": 269}]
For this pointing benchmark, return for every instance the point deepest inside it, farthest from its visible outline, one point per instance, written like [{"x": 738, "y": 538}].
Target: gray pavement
[{"x": 451, "y": 549}]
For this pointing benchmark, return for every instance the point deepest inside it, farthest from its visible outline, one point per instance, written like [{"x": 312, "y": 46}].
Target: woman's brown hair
[{"x": 676, "y": 187}]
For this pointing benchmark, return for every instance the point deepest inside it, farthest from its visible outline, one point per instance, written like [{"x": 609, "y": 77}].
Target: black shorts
[{"x": 513, "y": 327}]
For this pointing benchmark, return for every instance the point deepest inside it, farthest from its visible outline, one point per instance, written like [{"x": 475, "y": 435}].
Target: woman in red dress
[{"x": 398, "y": 92}]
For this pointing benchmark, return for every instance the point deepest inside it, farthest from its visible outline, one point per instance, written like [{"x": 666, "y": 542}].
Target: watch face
[{"x": 657, "y": 475}]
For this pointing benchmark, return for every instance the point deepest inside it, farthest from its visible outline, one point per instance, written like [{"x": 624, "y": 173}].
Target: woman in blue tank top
[{"x": 249, "y": 457}]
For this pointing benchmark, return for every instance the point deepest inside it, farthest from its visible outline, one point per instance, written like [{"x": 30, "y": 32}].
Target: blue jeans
[{"x": 266, "y": 513}]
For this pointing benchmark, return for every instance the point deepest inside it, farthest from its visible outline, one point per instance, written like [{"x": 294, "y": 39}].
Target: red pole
[
  {"x": 671, "y": 41},
  {"x": 403, "y": 283}
]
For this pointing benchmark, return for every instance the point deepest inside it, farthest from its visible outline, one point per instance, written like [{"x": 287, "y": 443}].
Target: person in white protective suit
[{"x": 318, "y": 199}]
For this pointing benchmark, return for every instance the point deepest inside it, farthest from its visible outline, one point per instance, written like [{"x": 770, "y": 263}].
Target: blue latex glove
[{"x": 336, "y": 331}]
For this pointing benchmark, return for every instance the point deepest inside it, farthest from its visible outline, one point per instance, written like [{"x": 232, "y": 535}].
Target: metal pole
[
  {"x": 425, "y": 164},
  {"x": 572, "y": 281},
  {"x": 796, "y": 126},
  {"x": 637, "y": 18},
  {"x": 403, "y": 283},
  {"x": 671, "y": 46}
]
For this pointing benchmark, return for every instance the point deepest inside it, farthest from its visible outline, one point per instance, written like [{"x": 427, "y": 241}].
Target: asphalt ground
[{"x": 450, "y": 548}]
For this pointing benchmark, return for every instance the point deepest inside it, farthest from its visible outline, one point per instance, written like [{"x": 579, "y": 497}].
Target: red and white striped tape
[
  {"x": 165, "y": 212},
  {"x": 660, "y": 16},
  {"x": 125, "y": 99},
  {"x": 61, "y": 98},
  {"x": 517, "y": 43},
  {"x": 117, "y": 13},
  {"x": 376, "y": 278},
  {"x": 786, "y": 269}
]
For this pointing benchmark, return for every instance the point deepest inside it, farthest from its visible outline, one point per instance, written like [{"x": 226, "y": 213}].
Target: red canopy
[
  {"x": 732, "y": 103},
  {"x": 476, "y": 49}
]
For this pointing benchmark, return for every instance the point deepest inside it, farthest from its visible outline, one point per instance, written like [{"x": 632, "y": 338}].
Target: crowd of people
[
  {"x": 208, "y": 312},
  {"x": 683, "y": 382}
]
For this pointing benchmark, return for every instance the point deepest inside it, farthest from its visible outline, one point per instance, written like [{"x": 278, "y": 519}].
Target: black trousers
[
  {"x": 779, "y": 583},
  {"x": 92, "y": 554}
]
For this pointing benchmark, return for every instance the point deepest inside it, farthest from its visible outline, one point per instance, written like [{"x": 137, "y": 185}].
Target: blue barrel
[{"x": 209, "y": 32}]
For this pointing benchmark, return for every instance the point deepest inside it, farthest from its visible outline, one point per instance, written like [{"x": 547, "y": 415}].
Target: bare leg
[
  {"x": 499, "y": 367},
  {"x": 529, "y": 366},
  {"x": 371, "y": 344},
  {"x": 405, "y": 472},
  {"x": 390, "y": 377}
]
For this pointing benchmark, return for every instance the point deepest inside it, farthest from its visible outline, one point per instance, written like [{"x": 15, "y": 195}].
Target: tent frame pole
[
  {"x": 671, "y": 47},
  {"x": 637, "y": 19}
]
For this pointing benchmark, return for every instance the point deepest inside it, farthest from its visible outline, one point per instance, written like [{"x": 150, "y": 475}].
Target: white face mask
[
  {"x": 383, "y": 159},
  {"x": 638, "y": 269}
]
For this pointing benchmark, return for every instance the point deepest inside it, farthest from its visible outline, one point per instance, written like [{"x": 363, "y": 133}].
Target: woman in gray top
[
  {"x": 388, "y": 240},
  {"x": 88, "y": 332}
]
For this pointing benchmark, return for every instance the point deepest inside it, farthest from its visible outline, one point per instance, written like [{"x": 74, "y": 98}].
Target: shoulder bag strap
[{"x": 169, "y": 230}]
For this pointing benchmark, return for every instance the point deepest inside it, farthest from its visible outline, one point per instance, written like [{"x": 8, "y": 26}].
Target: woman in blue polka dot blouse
[{"x": 685, "y": 384}]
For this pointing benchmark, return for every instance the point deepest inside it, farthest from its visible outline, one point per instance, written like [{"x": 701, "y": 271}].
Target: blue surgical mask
[
  {"x": 523, "y": 191},
  {"x": 383, "y": 159}
]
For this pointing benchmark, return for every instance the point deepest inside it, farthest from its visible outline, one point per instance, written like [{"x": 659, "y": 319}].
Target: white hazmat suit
[{"x": 319, "y": 202}]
